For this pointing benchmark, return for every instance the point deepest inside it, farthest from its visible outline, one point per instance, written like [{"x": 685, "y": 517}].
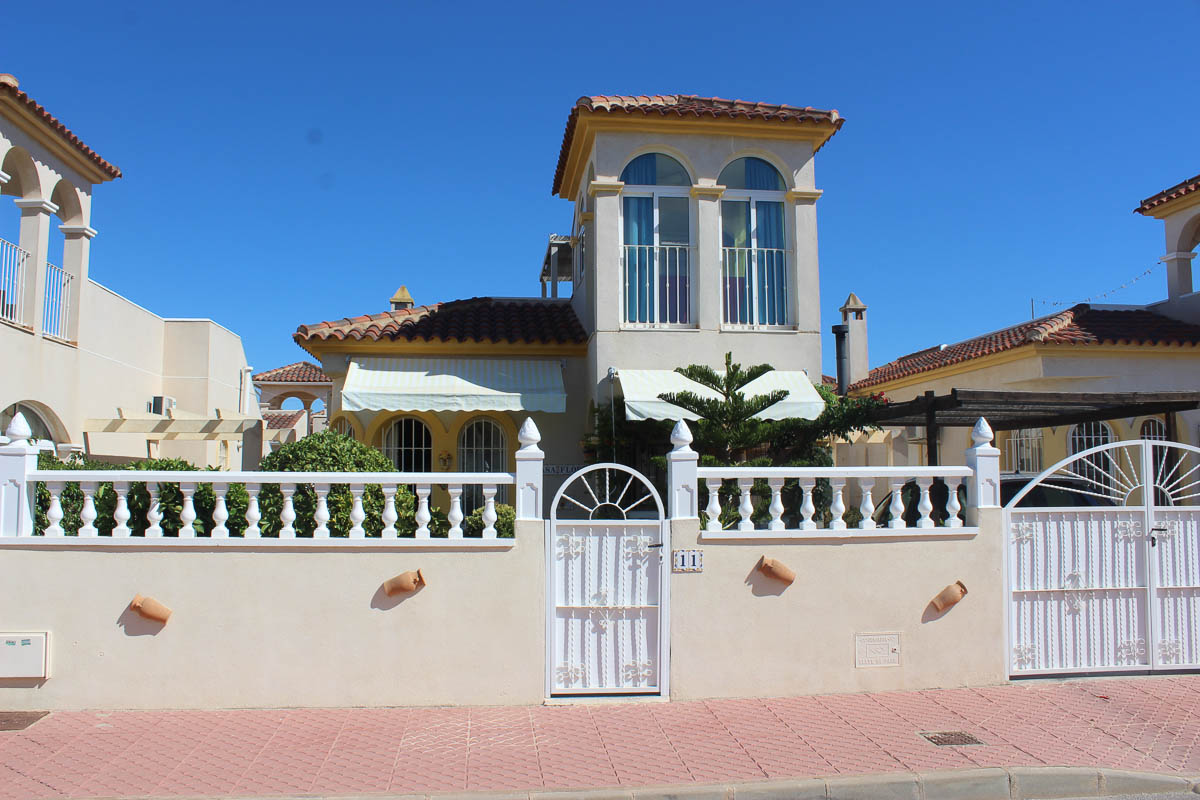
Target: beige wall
[
  {"x": 735, "y": 632},
  {"x": 272, "y": 628}
]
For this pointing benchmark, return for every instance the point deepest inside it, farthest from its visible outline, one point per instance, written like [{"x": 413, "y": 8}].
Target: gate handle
[{"x": 655, "y": 545}]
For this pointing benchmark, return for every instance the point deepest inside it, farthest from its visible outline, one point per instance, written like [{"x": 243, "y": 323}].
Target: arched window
[
  {"x": 342, "y": 425},
  {"x": 409, "y": 445},
  {"x": 1093, "y": 468},
  {"x": 482, "y": 447},
  {"x": 656, "y": 212},
  {"x": 1155, "y": 430},
  {"x": 1024, "y": 450},
  {"x": 754, "y": 262},
  {"x": 39, "y": 427}
]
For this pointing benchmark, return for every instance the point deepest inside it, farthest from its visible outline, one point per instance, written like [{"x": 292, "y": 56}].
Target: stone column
[
  {"x": 1179, "y": 273},
  {"x": 77, "y": 242},
  {"x": 35, "y": 240},
  {"x": 707, "y": 292},
  {"x": 805, "y": 288}
]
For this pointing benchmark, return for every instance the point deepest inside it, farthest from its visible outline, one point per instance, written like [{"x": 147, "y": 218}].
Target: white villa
[
  {"x": 92, "y": 371},
  {"x": 694, "y": 233}
]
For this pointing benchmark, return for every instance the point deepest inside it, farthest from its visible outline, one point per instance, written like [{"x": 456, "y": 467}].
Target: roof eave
[{"x": 29, "y": 122}]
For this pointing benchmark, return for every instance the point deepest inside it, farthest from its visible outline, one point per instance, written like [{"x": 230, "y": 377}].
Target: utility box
[{"x": 23, "y": 655}]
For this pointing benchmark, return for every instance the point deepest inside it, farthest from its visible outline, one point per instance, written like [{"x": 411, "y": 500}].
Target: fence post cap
[
  {"x": 981, "y": 434},
  {"x": 681, "y": 436},
  {"x": 529, "y": 435},
  {"x": 18, "y": 429}
]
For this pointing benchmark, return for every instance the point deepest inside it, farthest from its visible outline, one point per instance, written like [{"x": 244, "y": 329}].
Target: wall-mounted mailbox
[{"x": 23, "y": 655}]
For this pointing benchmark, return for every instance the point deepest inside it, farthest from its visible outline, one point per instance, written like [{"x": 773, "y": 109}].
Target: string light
[{"x": 1093, "y": 298}]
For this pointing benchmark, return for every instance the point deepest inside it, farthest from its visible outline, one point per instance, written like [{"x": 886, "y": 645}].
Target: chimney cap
[
  {"x": 853, "y": 304},
  {"x": 9, "y": 79},
  {"x": 402, "y": 299}
]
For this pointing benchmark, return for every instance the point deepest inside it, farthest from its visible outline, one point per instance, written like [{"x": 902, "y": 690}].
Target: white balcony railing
[
  {"x": 14, "y": 267},
  {"x": 658, "y": 285},
  {"x": 56, "y": 313},
  {"x": 754, "y": 286}
]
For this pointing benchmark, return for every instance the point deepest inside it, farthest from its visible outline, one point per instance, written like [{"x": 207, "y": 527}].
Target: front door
[{"x": 607, "y": 583}]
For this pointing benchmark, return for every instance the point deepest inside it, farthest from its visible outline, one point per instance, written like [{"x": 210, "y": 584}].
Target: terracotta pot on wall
[
  {"x": 150, "y": 608},
  {"x": 774, "y": 568},
  {"x": 950, "y": 595},
  {"x": 403, "y": 583}
]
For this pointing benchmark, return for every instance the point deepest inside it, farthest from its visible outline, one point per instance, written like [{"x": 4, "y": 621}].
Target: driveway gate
[
  {"x": 606, "y": 585},
  {"x": 1112, "y": 586}
]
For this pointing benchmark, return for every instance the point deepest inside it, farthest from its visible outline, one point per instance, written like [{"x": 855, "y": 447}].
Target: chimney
[
  {"x": 401, "y": 299},
  {"x": 854, "y": 317}
]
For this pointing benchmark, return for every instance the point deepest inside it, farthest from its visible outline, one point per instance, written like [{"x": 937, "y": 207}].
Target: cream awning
[
  {"x": 454, "y": 384},
  {"x": 175, "y": 425},
  {"x": 641, "y": 388}
]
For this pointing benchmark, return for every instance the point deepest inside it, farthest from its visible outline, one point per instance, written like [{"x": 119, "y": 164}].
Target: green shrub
[{"x": 506, "y": 517}]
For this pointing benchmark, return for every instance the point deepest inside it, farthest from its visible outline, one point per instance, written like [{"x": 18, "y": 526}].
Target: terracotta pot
[
  {"x": 404, "y": 582},
  {"x": 774, "y": 568},
  {"x": 150, "y": 608},
  {"x": 949, "y": 596}
]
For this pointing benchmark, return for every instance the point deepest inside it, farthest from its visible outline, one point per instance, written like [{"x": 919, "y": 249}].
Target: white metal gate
[
  {"x": 606, "y": 585},
  {"x": 1113, "y": 585}
]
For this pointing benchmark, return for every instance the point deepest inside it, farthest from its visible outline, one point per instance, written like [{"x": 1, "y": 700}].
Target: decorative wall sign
[
  {"x": 561, "y": 469},
  {"x": 876, "y": 650},
  {"x": 687, "y": 560}
]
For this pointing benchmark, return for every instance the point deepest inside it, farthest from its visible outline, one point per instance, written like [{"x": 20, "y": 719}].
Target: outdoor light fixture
[
  {"x": 950, "y": 595},
  {"x": 774, "y": 568},
  {"x": 404, "y": 583},
  {"x": 150, "y": 608},
  {"x": 444, "y": 459}
]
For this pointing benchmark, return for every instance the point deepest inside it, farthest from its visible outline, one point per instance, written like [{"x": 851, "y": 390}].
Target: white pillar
[
  {"x": 35, "y": 240},
  {"x": 983, "y": 488},
  {"x": 682, "y": 462},
  {"x": 707, "y": 289},
  {"x": 1179, "y": 273},
  {"x": 529, "y": 472},
  {"x": 77, "y": 242},
  {"x": 804, "y": 288},
  {"x": 610, "y": 279},
  {"x": 17, "y": 459}
]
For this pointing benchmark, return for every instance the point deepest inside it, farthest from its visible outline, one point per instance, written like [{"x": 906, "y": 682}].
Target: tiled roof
[
  {"x": 480, "y": 319},
  {"x": 1192, "y": 184},
  {"x": 277, "y": 419},
  {"x": 300, "y": 372},
  {"x": 1078, "y": 325},
  {"x": 62, "y": 130},
  {"x": 685, "y": 105}
]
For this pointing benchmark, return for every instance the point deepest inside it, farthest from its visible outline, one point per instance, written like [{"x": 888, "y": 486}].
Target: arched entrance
[
  {"x": 1104, "y": 571},
  {"x": 607, "y": 586}
]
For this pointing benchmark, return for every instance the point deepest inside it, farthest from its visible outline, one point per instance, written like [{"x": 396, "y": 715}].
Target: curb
[{"x": 1007, "y": 783}]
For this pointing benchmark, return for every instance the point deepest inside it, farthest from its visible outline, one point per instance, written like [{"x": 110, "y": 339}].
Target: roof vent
[
  {"x": 9, "y": 80},
  {"x": 402, "y": 299}
]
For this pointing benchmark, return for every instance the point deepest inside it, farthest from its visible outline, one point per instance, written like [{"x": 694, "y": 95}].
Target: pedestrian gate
[
  {"x": 1113, "y": 585},
  {"x": 606, "y": 585}
]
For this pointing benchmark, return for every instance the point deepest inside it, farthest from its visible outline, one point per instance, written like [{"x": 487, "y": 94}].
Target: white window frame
[
  {"x": 657, "y": 192},
  {"x": 392, "y": 450},
  {"x": 754, "y": 196},
  {"x": 1024, "y": 448},
  {"x": 472, "y": 496}
]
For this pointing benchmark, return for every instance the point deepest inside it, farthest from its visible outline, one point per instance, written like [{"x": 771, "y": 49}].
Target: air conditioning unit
[{"x": 160, "y": 403}]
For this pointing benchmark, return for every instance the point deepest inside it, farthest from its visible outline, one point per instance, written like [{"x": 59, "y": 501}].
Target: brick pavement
[{"x": 1143, "y": 723}]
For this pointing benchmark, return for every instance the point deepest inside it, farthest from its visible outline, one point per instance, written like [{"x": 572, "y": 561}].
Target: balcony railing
[
  {"x": 754, "y": 286},
  {"x": 57, "y": 309},
  {"x": 658, "y": 285},
  {"x": 14, "y": 267}
]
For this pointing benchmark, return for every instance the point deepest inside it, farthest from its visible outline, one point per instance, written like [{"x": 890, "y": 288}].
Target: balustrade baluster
[
  {"x": 896, "y": 508},
  {"x": 807, "y": 506},
  {"x": 187, "y": 514},
  {"x": 154, "y": 513},
  {"x": 121, "y": 512},
  {"x": 746, "y": 506},
  {"x": 489, "y": 512},
  {"x": 866, "y": 508},
  {"x": 837, "y": 508},
  {"x": 924, "y": 506},
  {"x": 253, "y": 514},
  {"x": 54, "y": 514},
  {"x": 87, "y": 515},
  {"x": 455, "y": 517},
  {"x": 389, "y": 515},
  {"x": 422, "y": 517},
  {"x": 357, "y": 515},
  {"x": 220, "y": 513},
  {"x": 321, "y": 515},
  {"x": 713, "y": 511},
  {"x": 776, "y": 508},
  {"x": 288, "y": 514},
  {"x": 952, "y": 504}
]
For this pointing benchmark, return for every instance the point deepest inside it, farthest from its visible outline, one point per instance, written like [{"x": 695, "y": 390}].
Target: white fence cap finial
[
  {"x": 681, "y": 436},
  {"x": 18, "y": 430},
  {"x": 981, "y": 434},
  {"x": 529, "y": 435}
]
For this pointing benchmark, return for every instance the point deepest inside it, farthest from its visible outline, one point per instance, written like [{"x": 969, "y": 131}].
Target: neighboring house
[
  {"x": 90, "y": 369},
  {"x": 1085, "y": 348},
  {"x": 303, "y": 382},
  {"x": 283, "y": 427},
  {"x": 693, "y": 234}
]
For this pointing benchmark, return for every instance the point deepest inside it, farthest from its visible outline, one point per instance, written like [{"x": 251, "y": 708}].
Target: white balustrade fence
[
  {"x": 56, "y": 314},
  {"x": 14, "y": 267}
]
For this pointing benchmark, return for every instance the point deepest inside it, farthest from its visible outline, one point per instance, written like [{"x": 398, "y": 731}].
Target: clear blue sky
[{"x": 291, "y": 163}]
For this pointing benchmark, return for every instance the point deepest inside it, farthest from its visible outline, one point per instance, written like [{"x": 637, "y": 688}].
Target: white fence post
[
  {"x": 984, "y": 461},
  {"x": 681, "y": 474},
  {"x": 529, "y": 472},
  {"x": 17, "y": 459}
]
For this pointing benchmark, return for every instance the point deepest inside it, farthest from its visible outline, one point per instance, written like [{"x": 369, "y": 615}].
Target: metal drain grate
[
  {"x": 19, "y": 720},
  {"x": 950, "y": 738}
]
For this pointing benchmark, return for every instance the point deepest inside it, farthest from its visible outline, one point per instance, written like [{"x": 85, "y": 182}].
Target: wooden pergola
[{"x": 1005, "y": 410}]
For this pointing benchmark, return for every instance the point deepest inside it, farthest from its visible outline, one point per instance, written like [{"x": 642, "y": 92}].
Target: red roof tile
[
  {"x": 62, "y": 130},
  {"x": 1188, "y": 186},
  {"x": 1078, "y": 325},
  {"x": 300, "y": 372},
  {"x": 277, "y": 419},
  {"x": 480, "y": 319},
  {"x": 685, "y": 105}
]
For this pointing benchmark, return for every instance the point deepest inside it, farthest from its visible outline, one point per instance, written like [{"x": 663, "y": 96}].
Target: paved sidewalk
[{"x": 1150, "y": 724}]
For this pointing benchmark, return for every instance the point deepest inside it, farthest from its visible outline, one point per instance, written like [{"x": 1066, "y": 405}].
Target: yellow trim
[
  {"x": 587, "y": 216},
  {"x": 401, "y": 347},
  {"x": 605, "y": 187},
  {"x": 1172, "y": 207},
  {"x": 38, "y": 129},
  {"x": 502, "y": 419},
  {"x": 804, "y": 194},
  {"x": 714, "y": 190},
  {"x": 588, "y": 123}
]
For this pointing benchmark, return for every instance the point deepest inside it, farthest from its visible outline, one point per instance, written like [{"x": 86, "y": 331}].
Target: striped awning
[
  {"x": 641, "y": 389},
  {"x": 454, "y": 384}
]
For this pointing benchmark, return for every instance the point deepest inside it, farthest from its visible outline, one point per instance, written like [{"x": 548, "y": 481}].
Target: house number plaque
[{"x": 687, "y": 560}]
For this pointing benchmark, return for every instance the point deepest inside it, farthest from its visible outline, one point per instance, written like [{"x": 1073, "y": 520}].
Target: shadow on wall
[
  {"x": 136, "y": 625},
  {"x": 382, "y": 602},
  {"x": 762, "y": 586}
]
